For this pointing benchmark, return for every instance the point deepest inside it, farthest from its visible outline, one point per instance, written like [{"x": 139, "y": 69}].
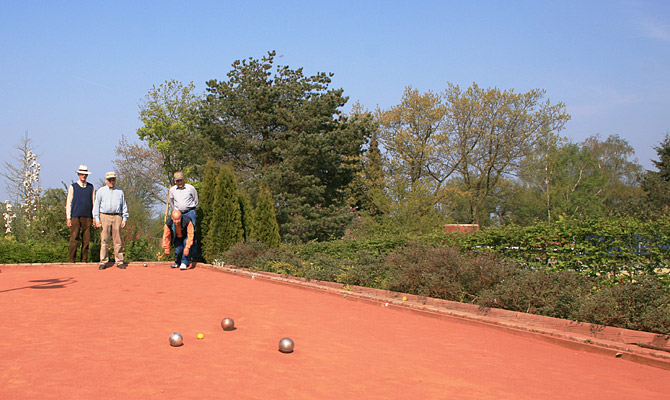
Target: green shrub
[
  {"x": 444, "y": 272},
  {"x": 643, "y": 305},
  {"x": 277, "y": 259},
  {"x": 243, "y": 254},
  {"x": 544, "y": 292},
  {"x": 32, "y": 251},
  {"x": 140, "y": 248},
  {"x": 485, "y": 275}
]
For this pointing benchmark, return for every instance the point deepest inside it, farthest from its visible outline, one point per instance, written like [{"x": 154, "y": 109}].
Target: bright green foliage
[
  {"x": 448, "y": 154},
  {"x": 414, "y": 140},
  {"x": 285, "y": 130},
  {"x": 49, "y": 224},
  {"x": 561, "y": 179},
  {"x": 224, "y": 228},
  {"x": 167, "y": 114},
  {"x": 490, "y": 131},
  {"x": 14, "y": 251},
  {"x": 266, "y": 229},
  {"x": 372, "y": 180},
  {"x": 609, "y": 248}
]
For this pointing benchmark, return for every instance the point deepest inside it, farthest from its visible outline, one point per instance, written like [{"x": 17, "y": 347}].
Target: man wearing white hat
[
  {"x": 110, "y": 213},
  {"x": 79, "y": 214}
]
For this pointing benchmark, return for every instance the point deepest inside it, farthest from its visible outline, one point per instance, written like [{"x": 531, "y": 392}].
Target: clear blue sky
[{"x": 72, "y": 73}]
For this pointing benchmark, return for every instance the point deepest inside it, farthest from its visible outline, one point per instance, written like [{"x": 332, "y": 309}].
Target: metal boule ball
[
  {"x": 286, "y": 345},
  {"x": 176, "y": 340},
  {"x": 228, "y": 324}
]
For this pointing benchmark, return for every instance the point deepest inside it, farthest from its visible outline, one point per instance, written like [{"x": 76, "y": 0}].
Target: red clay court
[{"x": 74, "y": 332}]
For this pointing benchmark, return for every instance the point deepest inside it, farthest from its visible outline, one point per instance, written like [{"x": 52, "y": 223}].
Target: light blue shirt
[
  {"x": 184, "y": 198},
  {"x": 110, "y": 201}
]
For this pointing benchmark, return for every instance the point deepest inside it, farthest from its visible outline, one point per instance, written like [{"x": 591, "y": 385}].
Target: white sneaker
[
  {"x": 174, "y": 266},
  {"x": 183, "y": 267}
]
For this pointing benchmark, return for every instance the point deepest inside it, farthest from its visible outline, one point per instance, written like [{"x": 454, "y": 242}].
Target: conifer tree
[
  {"x": 224, "y": 227},
  {"x": 266, "y": 228},
  {"x": 247, "y": 213},
  {"x": 205, "y": 199}
]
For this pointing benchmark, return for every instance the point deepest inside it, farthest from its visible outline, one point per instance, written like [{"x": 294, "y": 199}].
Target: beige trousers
[{"x": 111, "y": 226}]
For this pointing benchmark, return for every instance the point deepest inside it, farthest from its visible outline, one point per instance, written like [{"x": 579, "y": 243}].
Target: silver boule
[
  {"x": 286, "y": 345},
  {"x": 228, "y": 324},
  {"x": 176, "y": 340}
]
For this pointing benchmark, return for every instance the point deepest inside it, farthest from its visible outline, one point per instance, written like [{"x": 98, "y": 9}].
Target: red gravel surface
[{"x": 74, "y": 332}]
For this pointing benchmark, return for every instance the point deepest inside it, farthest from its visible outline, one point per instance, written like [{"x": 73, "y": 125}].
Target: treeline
[{"x": 485, "y": 156}]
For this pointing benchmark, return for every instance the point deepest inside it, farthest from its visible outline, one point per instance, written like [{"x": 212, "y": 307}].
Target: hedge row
[{"x": 485, "y": 278}]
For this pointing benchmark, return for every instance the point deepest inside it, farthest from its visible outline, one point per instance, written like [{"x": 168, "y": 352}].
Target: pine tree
[
  {"x": 266, "y": 229},
  {"x": 224, "y": 227}
]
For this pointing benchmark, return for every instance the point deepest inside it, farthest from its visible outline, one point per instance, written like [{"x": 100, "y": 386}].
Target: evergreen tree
[
  {"x": 656, "y": 184},
  {"x": 266, "y": 229},
  {"x": 205, "y": 199},
  {"x": 224, "y": 227},
  {"x": 283, "y": 129},
  {"x": 247, "y": 213}
]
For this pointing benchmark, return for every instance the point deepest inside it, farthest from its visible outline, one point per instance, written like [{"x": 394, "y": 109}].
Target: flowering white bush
[
  {"x": 31, "y": 186},
  {"x": 8, "y": 216}
]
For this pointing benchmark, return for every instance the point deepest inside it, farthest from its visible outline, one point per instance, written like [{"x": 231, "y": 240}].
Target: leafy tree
[
  {"x": 414, "y": 140},
  {"x": 285, "y": 130},
  {"x": 266, "y": 229},
  {"x": 167, "y": 114},
  {"x": 49, "y": 223},
  {"x": 621, "y": 191},
  {"x": 415, "y": 147},
  {"x": 490, "y": 132},
  {"x": 593, "y": 178},
  {"x": 141, "y": 168},
  {"x": 224, "y": 228}
]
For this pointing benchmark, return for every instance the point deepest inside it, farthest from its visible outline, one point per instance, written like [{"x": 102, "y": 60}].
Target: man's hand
[
  {"x": 123, "y": 224},
  {"x": 186, "y": 251},
  {"x": 69, "y": 223},
  {"x": 167, "y": 251}
]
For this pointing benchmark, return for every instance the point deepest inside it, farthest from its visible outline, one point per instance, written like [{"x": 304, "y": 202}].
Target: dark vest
[
  {"x": 184, "y": 223},
  {"x": 82, "y": 201}
]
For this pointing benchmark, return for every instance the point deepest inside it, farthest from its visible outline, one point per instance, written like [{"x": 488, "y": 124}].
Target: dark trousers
[
  {"x": 194, "y": 249},
  {"x": 179, "y": 257},
  {"x": 79, "y": 225}
]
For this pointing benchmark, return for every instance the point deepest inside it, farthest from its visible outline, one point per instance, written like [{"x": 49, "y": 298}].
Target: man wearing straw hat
[{"x": 79, "y": 214}]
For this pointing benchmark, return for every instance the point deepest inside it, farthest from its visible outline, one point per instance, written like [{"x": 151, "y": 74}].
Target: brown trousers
[
  {"x": 79, "y": 225},
  {"x": 111, "y": 226}
]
